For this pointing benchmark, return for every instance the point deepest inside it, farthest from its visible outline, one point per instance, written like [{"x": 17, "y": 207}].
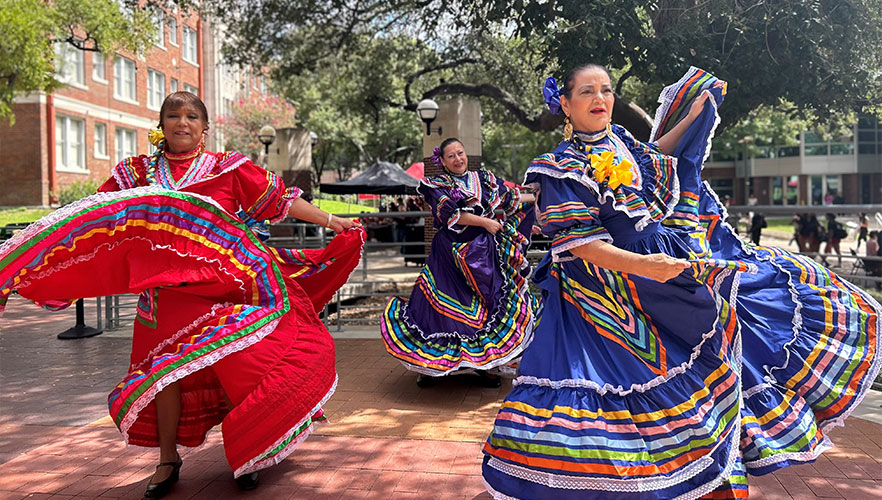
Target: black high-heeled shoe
[
  {"x": 161, "y": 489},
  {"x": 247, "y": 482},
  {"x": 487, "y": 380}
]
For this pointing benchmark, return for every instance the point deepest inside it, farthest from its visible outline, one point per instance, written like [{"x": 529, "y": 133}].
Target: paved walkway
[{"x": 388, "y": 439}]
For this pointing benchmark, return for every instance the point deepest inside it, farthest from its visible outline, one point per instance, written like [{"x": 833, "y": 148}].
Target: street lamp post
[
  {"x": 266, "y": 136},
  {"x": 514, "y": 158},
  {"x": 427, "y": 110}
]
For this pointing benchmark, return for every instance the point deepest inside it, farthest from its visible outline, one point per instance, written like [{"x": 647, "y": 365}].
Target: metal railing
[{"x": 339, "y": 312}]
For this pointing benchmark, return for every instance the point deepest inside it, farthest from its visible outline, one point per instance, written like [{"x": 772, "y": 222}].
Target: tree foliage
[
  {"x": 247, "y": 116},
  {"x": 32, "y": 28},
  {"x": 821, "y": 55}
]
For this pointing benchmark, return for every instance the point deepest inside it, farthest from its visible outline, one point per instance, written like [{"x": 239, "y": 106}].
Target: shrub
[{"x": 76, "y": 191}]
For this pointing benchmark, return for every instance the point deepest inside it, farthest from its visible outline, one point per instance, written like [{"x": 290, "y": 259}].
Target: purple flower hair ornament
[
  {"x": 552, "y": 95},
  {"x": 436, "y": 157}
]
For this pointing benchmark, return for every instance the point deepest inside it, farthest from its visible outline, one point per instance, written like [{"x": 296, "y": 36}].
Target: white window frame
[
  {"x": 189, "y": 44},
  {"x": 173, "y": 31},
  {"x": 120, "y": 138},
  {"x": 173, "y": 86},
  {"x": 119, "y": 80},
  {"x": 158, "y": 18},
  {"x": 155, "y": 93},
  {"x": 68, "y": 57},
  {"x": 70, "y": 144},
  {"x": 99, "y": 134},
  {"x": 191, "y": 89},
  {"x": 99, "y": 61}
]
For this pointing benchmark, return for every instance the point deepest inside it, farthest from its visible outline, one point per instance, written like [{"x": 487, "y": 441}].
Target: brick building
[{"x": 108, "y": 105}]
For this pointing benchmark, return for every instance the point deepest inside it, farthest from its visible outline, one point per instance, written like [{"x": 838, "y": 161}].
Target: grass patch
[
  {"x": 21, "y": 214},
  {"x": 341, "y": 207}
]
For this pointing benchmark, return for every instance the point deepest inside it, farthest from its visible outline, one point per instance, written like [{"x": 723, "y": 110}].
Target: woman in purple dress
[{"x": 470, "y": 307}]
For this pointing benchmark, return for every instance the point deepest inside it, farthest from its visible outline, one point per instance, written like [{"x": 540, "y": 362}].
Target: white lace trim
[
  {"x": 363, "y": 236},
  {"x": 180, "y": 333},
  {"x": 526, "y": 338},
  {"x": 642, "y": 215},
  {"x": 758, "y": 388},
  {"x": 119, "y": 179},
  {"x": 256, "y": 463},
  {"x": 66, "y": 211},
  {"x": 188, "y": 369},
  {"x": 796, "y": 321},
  {"x": 666, "y": 98},
  {"x": 661, "y": 379},
  {"x": 566, "y": 247},
  {"x": 288, "y": 202},
  {"x": 568, "y": 482},
  {"x": 496, "y": 494},
  {"x": 454, "y": 219}
]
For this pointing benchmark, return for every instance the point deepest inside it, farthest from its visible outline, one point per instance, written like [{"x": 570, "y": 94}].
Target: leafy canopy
[{"x": 32, "y": 28}]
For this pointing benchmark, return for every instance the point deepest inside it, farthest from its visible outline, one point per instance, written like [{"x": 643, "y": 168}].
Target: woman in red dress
[{"x": 226, "y": 328}]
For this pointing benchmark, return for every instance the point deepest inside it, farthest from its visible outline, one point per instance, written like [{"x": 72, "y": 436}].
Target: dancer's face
[
  {"x": 183, "y": 128},
  {"x": 591, "y": 100},
  {"x": 454, "y": 158}
]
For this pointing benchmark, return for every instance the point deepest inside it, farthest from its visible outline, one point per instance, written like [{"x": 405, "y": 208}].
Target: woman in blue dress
[
  {"x": 670, "y": 357},
  {"x": 471, "y": 307}
]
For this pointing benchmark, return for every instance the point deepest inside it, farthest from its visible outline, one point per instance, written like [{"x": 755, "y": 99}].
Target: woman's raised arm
[
  {"x": 658, "y": 266},
  {"x": 668, "y": 142}
]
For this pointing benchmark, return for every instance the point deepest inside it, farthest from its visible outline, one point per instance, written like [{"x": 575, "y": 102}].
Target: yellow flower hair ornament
[
  {"x": 155, "y": 136},
  {"x": 606, "y": 171}
]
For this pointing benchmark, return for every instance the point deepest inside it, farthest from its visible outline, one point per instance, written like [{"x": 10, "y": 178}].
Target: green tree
[
  {"x": 32, "y": 28},
  {"x": 348, "y": 103},
  {"x": 825, "y": 57}
]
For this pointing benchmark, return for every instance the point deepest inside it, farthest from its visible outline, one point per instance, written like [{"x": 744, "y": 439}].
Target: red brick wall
[{"x": 21, "y": 157}]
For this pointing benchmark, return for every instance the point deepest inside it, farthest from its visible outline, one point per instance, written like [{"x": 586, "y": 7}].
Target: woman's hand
[
  {"x": 339, "y": 224},
  {"x": 698, "y": 105},
  {"x": 492, "y": 225},
  {"x": 661, "y": 267}
]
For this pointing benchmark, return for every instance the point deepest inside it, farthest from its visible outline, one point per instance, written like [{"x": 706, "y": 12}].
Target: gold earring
[{"x": 568, "y": 129}]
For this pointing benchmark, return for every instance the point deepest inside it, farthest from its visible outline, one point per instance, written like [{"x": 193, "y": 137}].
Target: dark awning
[{"x": 380, "y": 178}]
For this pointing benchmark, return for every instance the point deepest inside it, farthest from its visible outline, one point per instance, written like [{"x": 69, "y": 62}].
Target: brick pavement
[{"x": 388, "y": 438}]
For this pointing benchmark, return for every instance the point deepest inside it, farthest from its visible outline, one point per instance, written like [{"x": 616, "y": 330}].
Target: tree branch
[
  {"x": 535, "y": 124},
  {"x": 409, "y": 104}
]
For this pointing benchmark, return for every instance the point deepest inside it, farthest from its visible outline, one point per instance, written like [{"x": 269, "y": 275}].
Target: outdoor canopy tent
[{"x": 380, "y": 178}]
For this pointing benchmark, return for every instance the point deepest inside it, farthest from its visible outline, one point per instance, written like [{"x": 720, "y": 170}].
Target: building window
[
  {"x": 722, "y": 186},
  {"x": 70, "y": 144},
  {"x": 126, "y": 145},
  {"x": 189, "y": 35},
  {"x": 69, "y": 64},
  {"x": 124, "y": 79},
  {"x": 173, "y": 31},
  {"x": 159, "y": 22},
  {"x": 99, "y": 67},
  {"x": 155, "y": 89},
  {"x": 173, "y": 86},
  {"x": 100, "y": 140},
  {"x": 190, "y": 88}
]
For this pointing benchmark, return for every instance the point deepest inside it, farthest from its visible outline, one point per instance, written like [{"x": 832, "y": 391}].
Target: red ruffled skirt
[{"x": 218, "y": 311}]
